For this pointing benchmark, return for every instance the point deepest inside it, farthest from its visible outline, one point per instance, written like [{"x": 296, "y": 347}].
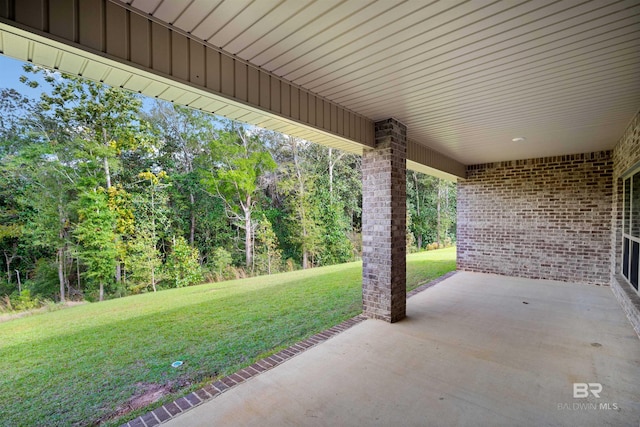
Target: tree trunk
[
  {"x": 416, "y": 183},
  {"x": 8, "y": 262},
  {"x": 154, "y": 235},
  {"x": 438, "y": 226},
  {"x": 107, "y": 174},
  {"x": 415, "y": 180},
  {"x": 192, "y": 231},
  {"x": 305, "y": 260},
  {"x": 78, "y": 274},
  {"x": 19, "y": 283},
  {"x": 105, "y": 160},
  {"x": 253, "y": 251},
  {"x": 247, "y": 234},
  {"x": 61, "y": 273},
  {"x": 101, "y": 291},
  {"x": 67, "y": 273},
  {"x": 330, "y": 173}
]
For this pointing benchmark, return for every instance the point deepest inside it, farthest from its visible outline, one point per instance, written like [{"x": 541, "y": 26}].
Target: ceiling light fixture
[{"x": 519, "y": 139}]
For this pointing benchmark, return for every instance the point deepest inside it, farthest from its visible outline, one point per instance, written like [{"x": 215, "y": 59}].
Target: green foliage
[
  {"x": 239, "y": 159},
  {"x": 142, "y": 263},
  {"x": 44, "y": 277},
  {"x": 335, "y": 243},
  {"x": 243, "y": 200},
  {"x": 96, "y": 237},
  {"x": 220, "y": 259},
  {"x": 150, "y": 204},
  {"x": 431, "y": 204},
  {"x": 410, "y": 238},
  {"x": 24, "y": 301},
  {"x": 268, "y": 255},
  {"x": 182, "y": 267}
]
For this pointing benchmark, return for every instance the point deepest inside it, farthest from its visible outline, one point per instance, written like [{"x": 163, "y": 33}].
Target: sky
[{"x": 10, "y": 72}]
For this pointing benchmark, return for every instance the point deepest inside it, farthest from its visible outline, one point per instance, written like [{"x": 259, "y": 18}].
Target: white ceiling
[{"x": 464, "y": 76}]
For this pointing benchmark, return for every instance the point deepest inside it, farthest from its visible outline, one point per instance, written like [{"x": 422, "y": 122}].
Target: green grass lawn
[{"x": 79, "y": 365}]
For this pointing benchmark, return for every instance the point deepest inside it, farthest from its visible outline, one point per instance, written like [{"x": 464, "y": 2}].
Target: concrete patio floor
[{"x": 475, "y": 350}]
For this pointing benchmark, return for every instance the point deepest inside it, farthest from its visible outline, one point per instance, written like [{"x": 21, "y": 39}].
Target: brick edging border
[
  {"x": 427, "y": 285},
  {"x": 198, "y": 397}
]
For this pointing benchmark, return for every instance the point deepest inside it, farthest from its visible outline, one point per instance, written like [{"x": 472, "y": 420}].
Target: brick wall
[
  {"x": 384, "y": 223},
  {"x": 626, "y": 155},
  {"x": 544, "y": 218}
]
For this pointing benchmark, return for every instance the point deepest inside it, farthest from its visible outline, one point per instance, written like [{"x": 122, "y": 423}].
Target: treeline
[{"x": 102, "y": 197}]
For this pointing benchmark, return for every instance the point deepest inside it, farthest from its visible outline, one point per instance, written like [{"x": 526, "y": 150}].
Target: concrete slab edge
[
  {"x": 628, "y": 300},
  {"x": 171, "y": 410}
]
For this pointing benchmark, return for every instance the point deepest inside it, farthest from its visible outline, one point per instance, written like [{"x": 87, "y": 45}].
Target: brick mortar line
[{"x": 170, "y": 410}]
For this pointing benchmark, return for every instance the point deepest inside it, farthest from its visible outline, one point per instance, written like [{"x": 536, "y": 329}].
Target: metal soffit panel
[
  {"x": 49, "y": 53},
  {"x": 464, "y": 76}
]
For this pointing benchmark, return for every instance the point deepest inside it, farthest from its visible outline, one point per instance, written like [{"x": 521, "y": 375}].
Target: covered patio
[
  {"x": 476, "y": 349},
  {"x": 531, "y": 106}
]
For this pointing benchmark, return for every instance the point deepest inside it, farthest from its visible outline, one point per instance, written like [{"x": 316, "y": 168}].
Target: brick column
[{"x": 384, "y": 223}]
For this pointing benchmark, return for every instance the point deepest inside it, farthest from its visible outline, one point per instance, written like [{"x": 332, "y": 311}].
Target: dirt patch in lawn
[{"x": 146, "y": 395}]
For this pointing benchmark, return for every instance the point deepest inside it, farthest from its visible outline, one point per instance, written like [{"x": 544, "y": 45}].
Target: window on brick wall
[{"x": 631, "y": 229}]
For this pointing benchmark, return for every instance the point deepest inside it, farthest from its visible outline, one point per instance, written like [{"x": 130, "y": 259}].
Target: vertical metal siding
[
  {"x": 102, "y": 26},
  {"x": 213, "y": 81},
  {"x": 295, "y": 103},
  {"x": 160, "y": 48},
  {"x": 285, "y": 99},
  {"x": 265, "y": 89},
  {"x": 179, "y": 56},
  {"x": 241, "y": 81},
  {"x": 276, "y": 106},
  {"x": 304, "y": 105},
  {"x": 32, "y": 14},
  {"x": 196, "y": 63},
  {"x": 117, "y": 31},
  {"x": 140, "y": 43},
  {"x": 253, "y": 83},
  {"x": 91, "y": 18},
  {"x": 63, "y": 19}
]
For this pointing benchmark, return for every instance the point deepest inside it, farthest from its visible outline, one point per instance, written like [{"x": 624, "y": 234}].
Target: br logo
[{"x": 582, "y": 390}]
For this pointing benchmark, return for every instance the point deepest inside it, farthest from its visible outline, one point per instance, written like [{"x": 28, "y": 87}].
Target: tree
[
  {"x": 151, "y": 216},
  {"x": 298, "y": 186},
  {"x": 50, "y": 187},
  {"x": 186, "y": 134},
  {"x": 182, "y": 267},
  {"x": 431, "y": 204},
  {"x": 232, "y": 195},
  {"x": 268, "y": 254},
  {"x": 104, "y": 121},
  {"x": 239, "y": 159},
  {"x": 220, "y": 260},
  {"x": 335, "y": 243},
  {"x": 95, "y": 235}
]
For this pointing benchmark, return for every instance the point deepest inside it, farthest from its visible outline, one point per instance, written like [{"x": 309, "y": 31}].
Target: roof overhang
[{"x": 466, "y": 77}]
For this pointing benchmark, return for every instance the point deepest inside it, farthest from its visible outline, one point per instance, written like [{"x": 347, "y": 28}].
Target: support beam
[{"x": 384, "y": 223}]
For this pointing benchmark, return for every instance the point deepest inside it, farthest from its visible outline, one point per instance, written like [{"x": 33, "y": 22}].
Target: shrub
[
  {"x": 183, "y": 267},
  {"x": 220, "y": 259},
  {"x": 24, "y": 301}
]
